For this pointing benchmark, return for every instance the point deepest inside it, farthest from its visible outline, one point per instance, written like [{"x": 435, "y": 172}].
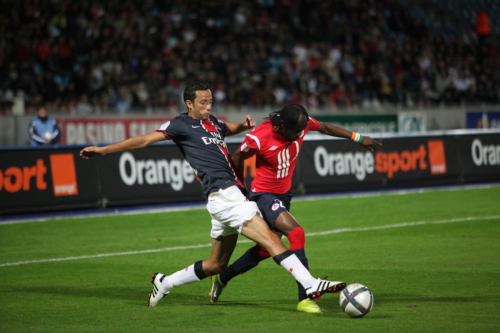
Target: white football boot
[
  {"x": 158, "y": 292},
  {"x": 324, "y": 287}
]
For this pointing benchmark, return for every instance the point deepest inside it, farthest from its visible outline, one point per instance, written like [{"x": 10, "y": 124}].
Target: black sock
[
  {"x": 198, "y": 270},
  {"x": 242, "y": 265},
  {"x": 301, "y": 254}
]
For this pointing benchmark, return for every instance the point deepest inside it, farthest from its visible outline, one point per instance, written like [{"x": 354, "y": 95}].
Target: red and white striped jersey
[{"x": 276, "y": 157}]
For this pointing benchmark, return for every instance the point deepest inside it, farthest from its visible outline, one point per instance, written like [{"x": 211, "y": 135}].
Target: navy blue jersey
[{"x": 203, "y": 146}]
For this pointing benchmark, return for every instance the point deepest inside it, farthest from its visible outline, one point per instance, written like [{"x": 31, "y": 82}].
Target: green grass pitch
[{"x": 431, "y": 259}]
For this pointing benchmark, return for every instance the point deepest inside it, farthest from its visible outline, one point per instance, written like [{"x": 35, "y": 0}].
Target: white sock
[
  {"x": 182, "y": 277},
  {"x": 293, "y": 265}
]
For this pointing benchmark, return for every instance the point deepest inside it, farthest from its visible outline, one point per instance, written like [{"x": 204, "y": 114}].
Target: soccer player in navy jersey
[
  {"x": 201, "y": 139},
  {"x": 276, "y": 144}
]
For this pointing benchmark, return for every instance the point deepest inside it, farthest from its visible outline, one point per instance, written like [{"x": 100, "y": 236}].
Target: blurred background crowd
[{"x": 90, "y": 57}]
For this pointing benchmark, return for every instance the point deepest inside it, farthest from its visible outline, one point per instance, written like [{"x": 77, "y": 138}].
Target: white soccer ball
[{"x": 356, "y": 300}]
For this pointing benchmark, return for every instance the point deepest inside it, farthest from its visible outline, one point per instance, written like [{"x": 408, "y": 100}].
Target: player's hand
[
  {"x": 248, "y": 123},
  {"x": 370, "y": 144},
  {"x": 92, "y": 151}
]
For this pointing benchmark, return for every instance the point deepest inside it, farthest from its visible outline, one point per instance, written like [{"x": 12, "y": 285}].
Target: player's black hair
[
  {"x": 190, "y": 91},
  {"x": 289, "y": 115}
]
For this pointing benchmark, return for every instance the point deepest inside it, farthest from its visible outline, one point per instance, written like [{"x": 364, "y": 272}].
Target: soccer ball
[{"x": 356, "y": 300}]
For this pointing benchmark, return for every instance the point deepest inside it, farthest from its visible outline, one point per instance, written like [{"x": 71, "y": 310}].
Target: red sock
[
  {"x": 260, "y": 252},
  {"x": 297, "y": 238}
]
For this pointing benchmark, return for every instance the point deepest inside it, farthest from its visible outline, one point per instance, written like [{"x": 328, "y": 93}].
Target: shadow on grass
[
  {"x": 138, "y": 297},
  {"x": 132, "y": 294},
  {"x": 135, "y": 297}
]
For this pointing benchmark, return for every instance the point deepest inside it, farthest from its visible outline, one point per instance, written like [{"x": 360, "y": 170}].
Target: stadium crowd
[{"x": 90, "y": 57}]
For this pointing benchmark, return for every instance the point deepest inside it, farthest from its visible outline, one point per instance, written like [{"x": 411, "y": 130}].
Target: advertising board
[
  {"x": 342, "y": 165},
  {"x": 43, "y": 179},
  {"x": 57, "y": 178}
]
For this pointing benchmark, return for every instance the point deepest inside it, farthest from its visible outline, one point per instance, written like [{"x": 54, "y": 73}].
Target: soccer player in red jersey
[{"x": 276, "y": 144}]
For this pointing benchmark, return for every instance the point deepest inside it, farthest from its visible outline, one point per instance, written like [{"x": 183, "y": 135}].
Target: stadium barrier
[{"x": 38, "y": 179}]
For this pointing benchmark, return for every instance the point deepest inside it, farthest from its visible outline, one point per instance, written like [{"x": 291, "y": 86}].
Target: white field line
[{"x": 335, "y": 231}]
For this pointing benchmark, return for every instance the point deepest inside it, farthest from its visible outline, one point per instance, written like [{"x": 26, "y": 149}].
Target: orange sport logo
[
  {"x": 430, "y": 156},
  {"x": 32, "y": 177},
  {"x": 410, "y": 160},
  {"x": 63, "y": 174}
]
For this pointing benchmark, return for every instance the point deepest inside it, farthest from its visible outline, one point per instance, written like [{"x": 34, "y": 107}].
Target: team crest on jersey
[{"x": 275, "y": 206}]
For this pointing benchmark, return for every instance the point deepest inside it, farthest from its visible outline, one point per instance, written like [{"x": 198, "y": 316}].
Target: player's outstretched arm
[
  {"x": 129, "y": 144},
  {"x": 339, "y": 132},
  {"x": 235, "y": 128},
  {"x": 239, "y": 163},
  {"x": 370, "y": 144}
]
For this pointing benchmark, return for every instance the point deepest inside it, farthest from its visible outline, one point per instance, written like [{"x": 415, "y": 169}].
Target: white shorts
[{"x": 229, "y": 210}]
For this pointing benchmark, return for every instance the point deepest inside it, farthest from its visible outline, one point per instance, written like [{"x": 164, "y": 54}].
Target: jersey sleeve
[
  {"x": 313, "y": 124},
  {"x": 172, "y": 129},
  {"x": 250, "y": 146}
]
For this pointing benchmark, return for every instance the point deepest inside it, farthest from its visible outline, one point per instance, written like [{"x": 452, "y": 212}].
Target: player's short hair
[
  {"x": 190, "y": 91},
  {"x": 289, "y": 115}
]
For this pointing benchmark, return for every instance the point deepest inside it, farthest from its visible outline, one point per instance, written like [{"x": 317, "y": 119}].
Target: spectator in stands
[
  {"x": 83, "y": 107},
  {"x": 43, "y": 129},
  {"x": 482, "y": 26}
]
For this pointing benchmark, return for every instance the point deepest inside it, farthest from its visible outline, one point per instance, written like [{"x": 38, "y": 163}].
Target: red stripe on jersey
[
  {"x": 209, "y": 126},
  {"x": 229, "y": 160},
  {"x": 164, "y": 133}
]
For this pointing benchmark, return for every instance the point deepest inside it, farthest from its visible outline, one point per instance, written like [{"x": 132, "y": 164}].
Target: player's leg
[
  {"x": 270, "y": 207},
  {"x": 257, "y": 230},
  {"x": 276, "y": 208},
  {"x": 275, "y": 211},
  {"x": 231, "y": 208},
  {"x": 243, "y": 264},
  {"x": 250, "y": 259},
  {"x": 229, "y": 211},
  {"x": 289, "y": 226},
  {"x": 222, "y": 249}
]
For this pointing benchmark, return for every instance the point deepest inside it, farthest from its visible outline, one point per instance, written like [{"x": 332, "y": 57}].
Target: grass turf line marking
[{"x": 321, "y": 233}]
